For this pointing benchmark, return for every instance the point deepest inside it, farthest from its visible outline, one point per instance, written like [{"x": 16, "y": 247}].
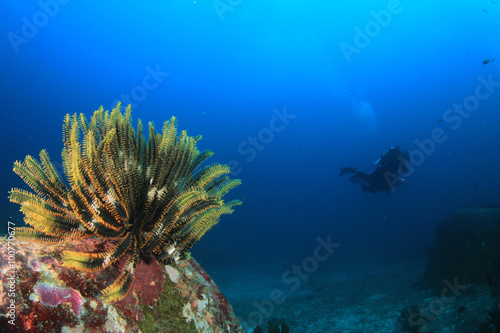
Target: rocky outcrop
[
  {"x": 467, "y": 250},
  {"x": 38, "y": 294}
]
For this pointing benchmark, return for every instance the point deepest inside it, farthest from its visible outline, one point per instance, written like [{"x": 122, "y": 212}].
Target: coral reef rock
[
  {"x": 39, "y": 294},
  {"x": 467, "y": 250}
]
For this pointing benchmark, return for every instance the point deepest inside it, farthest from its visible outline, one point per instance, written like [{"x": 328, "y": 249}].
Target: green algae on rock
[{"x": 53, "y": 298}]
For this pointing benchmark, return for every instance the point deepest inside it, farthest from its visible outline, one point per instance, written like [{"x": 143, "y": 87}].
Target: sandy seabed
[{"x": 363, "y": 301}]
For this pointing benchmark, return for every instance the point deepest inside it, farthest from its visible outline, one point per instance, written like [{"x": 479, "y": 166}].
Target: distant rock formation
[{"x": 467, "y": 249}]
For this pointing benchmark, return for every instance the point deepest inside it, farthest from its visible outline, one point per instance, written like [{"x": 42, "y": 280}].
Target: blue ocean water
[{"x": 287, "y": 93}]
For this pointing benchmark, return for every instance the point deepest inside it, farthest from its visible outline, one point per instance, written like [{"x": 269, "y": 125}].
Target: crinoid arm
[
  {"x": 98, "y": 260},
  {"x": 142, "y": 197},
  {"x": 32, "y": 234},
  {"x": 122, "y": 284}
]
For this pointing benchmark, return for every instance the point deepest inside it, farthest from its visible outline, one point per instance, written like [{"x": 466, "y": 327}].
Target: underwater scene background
[{"x": 286, "y": 93}]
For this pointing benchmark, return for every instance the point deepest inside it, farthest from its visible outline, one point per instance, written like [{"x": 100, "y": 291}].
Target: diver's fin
[{"x": 343, "y": 171}]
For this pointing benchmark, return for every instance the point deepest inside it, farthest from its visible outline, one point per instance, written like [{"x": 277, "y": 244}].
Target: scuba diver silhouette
[{"x": 391, "y": 167}]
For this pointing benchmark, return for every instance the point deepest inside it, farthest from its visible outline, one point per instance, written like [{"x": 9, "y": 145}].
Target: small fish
[
  {"x": 461, "y": 309},
  {"x": 484, "y": 10},
  {"x": 440, "y": 120},
  {"x": 486, "y": 61},
  {"x": 493, "y": 2}
]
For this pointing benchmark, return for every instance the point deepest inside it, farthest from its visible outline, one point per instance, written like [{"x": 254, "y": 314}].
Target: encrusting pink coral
[{"x": 53, "y": 298}]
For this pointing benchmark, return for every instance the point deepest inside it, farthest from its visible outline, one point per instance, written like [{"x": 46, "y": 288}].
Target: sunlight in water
[{"x": 365, "y": 113}]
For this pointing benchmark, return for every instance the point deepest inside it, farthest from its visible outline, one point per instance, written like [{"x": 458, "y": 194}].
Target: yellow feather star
[{"x": 147, "y": 197}]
